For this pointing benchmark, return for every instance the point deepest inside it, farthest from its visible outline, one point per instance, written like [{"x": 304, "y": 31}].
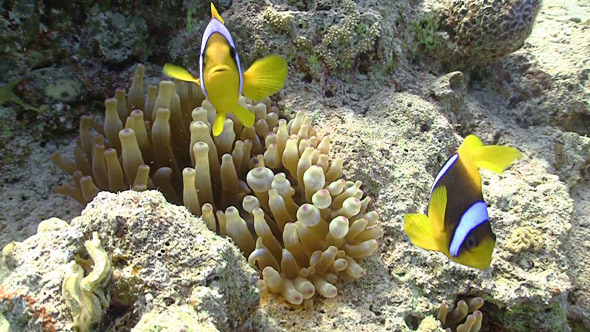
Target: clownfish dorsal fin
[
  {"x": 265, "y": 77},
  {"x": 215, "y": 14},
  {"x": 426, "y": 231}
]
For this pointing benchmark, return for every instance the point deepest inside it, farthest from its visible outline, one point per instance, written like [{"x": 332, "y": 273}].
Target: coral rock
[
  {"x": 165, "y": 263},
  {"x": 484, "y": 31}
]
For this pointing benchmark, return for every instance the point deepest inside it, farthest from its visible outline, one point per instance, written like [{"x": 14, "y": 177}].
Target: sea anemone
[
  {"x": 451, "y": 318},
  {"x": 273, "y": 188}
]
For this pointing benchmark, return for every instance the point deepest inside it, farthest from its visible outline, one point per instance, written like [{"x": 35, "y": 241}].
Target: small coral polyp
[{"x": 273, "y": 188}]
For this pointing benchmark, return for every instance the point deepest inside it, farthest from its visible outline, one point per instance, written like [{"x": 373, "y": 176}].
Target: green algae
[
  {"x": 425, "y": 35},
  {"x": 7, "y": 96}
]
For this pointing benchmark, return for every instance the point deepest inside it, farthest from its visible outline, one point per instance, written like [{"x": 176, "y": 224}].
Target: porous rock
[
  {"x": 165, "y": 262},
  {"x": 484, "y": 31},
  {"x": 548, "y": 82},
  {"x": 449, "y": 90},
  {"x": 118, "y": 37}
]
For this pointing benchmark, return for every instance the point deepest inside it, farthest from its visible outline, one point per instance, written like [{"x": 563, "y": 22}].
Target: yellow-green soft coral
[{"x": 85, "y": 296}]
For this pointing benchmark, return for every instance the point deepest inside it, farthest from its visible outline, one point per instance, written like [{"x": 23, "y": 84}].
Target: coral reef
[
  {"x": 535, "y": 98},
  {"x": 163, "y": 268},
  {"x": 339, "y": 47},
  {"x": 119, "y": 37},
  {"x": 481, "y": 32},
  {"x": 275, "y": 191}
]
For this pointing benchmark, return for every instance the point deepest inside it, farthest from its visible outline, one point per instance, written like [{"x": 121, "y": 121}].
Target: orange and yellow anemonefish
[
  {"x": 457, "y": 223},
  {"x": 221, "y": 78}
]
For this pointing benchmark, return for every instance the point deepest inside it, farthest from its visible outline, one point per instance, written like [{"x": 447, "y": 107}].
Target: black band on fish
[
  {"x": 450, "y": 162},
  {"x": 476, "y": 215}
]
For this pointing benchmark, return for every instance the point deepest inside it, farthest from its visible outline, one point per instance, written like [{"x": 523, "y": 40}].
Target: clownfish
[
  {"x": 221, "y": 78},
  {"x": 457, "y": 223}
]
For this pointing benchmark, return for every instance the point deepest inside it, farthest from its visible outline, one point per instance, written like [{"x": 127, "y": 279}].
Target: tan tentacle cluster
[
  {"x": 273, "y": 188},
  {"x": 464, "y": 318},
  {"x": 141, "y": 145}
]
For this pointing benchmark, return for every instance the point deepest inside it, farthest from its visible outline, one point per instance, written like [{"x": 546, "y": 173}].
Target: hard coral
[
  {"x": 352, "y": 34},
  {"x": 273, "y": 188},
  {"x": 338, "y": 46},
  {"x": 484, "y": 31}
]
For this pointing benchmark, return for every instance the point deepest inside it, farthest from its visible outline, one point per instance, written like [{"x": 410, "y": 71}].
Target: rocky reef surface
[{"x": 393, "y": 111}]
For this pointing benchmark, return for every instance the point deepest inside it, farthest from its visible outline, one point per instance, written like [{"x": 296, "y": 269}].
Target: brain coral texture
[
  {"x": 484, "y": 31},
  {"x": 273, "y": 188}
]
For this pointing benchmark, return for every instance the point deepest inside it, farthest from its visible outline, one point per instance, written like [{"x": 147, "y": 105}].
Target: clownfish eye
[
  {"x": 470, "y": 243},
  {"x": 232, "y": 52}
]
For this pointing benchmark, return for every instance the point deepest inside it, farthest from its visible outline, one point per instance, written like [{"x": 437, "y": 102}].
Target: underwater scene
[{"x": 295, "y": 165}]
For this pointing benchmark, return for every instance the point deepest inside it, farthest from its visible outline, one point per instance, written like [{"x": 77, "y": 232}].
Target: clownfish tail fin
[{"x": 495, "y": 158}]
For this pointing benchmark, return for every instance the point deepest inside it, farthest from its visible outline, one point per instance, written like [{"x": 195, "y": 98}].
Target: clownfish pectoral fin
[
  {"x": 420, "y": 232},
  {"x": 180, "y": 73},
  {"x": 425, "y": 231},
  {"x": 219, "y": 123},
  {"x": 244, "y": 116},
  {"x": 215, "y": 14},
  {"x": 437, "y": 209},
  {"x": 495, "y": 158},
  {"x": 265, "y": 77}
]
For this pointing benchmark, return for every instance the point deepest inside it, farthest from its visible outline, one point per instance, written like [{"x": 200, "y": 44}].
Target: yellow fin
[
  {"x": 246, "y": 117},
  {"x": 437, "y": 208},
  {"x": 215, "y": 14},
  {"x": 218, "y": 124},
  {"x": 496, "y": 158},
  {"x": 180, "y": 73},
  {"x": 265, "y": 77},
  {"x": 470, "y": 143},
  {"x": 419, "y": 230}
]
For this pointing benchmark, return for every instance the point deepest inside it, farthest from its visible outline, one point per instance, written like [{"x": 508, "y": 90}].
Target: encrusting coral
[
  {"x": 272, "y": 188},
  {"x": 85, "y": 296},
  {"x": 451, "y": 318}
]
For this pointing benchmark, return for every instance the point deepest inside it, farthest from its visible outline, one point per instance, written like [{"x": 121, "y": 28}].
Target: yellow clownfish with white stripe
[
  {"x": 221, "y": 78},
  {"x": 457, "y": 223}
]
